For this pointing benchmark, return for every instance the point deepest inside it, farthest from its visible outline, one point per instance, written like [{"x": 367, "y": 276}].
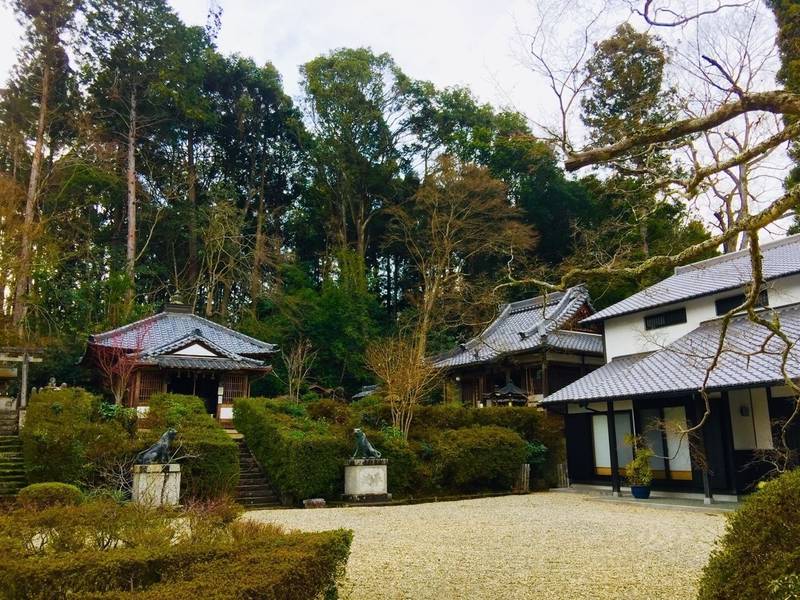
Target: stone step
[
  {"x": 259, "y": 503},
  {"x": 272, "y": 498},
  {"x": 261, "y": 493}
]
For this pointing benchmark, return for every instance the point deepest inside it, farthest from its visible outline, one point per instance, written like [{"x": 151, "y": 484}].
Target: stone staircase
[
  {"x": 253, "y": 491},
  {"x": 12, "y": 471},
  {"x": 8, "y": 422}
]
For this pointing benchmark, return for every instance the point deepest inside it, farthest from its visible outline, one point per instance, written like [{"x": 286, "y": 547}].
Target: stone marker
[
  {"x": 156, "y": 485},
  {"x": 314, "y": 503},
  {"x": 365, "y": 480}
]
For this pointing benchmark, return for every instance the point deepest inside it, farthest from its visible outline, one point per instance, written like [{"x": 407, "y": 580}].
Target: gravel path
[{"x": 548, "y": 545}]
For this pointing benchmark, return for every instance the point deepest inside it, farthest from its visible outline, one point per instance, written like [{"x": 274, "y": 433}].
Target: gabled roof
[
  {"x": 168, "y": 327},
  {"x": 730, "y": 271},
  {"x": 750, "y": 357},
  {"x": 528, "y": 325},
  {"x": 157, "y": 339},
  {"x": 509, "y": 390}
]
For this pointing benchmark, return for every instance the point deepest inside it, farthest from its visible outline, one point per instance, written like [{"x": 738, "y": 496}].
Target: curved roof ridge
[
  {"x": 536, "y": 301},
  {"x": 572, "y": 299},
  {"x": 239, "y": 334},
  {"x": 481, "y": 337}
]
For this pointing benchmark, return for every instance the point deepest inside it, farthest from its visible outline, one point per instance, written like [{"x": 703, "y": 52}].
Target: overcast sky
[
  {"x": 474, "y": 43},
  {"x": 464, "y": 42}
]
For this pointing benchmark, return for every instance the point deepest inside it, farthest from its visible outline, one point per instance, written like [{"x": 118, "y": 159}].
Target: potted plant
[{"x": 638, "y": 471}]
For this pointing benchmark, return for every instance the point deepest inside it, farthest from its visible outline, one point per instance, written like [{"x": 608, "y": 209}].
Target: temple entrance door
[
  {"x": 206, "y": 389},
  {"x": 202, "y": 386}
]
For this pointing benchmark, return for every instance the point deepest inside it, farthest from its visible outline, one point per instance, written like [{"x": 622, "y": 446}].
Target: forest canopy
[{"x": 138, "y": 163}]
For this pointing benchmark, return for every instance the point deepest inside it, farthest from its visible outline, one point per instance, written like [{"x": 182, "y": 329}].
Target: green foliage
[
  {"x": 638, "y": 471},
  {"x": 66, "y": 438},
  {"x": 452, "y": 449},
  {"x": 38, "y": 496},
  {"x": 211, "y": 465},
  {"x": 760, "y": 547},
  {"x": 304, "y": 457},
  {"x": 477, "y": 458},
  {"x": 536, "y": 457},
  {"x": 107, "y": 550}
]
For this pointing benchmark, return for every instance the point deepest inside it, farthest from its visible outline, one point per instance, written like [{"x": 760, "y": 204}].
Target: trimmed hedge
[
  {"x": 303, "y": 457},
  {"x": 451, "y": 449},
  {"x": 760, "y": 550},
  {"x": 478, "y": 458},
  {"x": 52, "y": 493},
  {"x": 66, "y": 438},
  {"x": 211, "y": 468},
  {"x": 116, "y": 551}
]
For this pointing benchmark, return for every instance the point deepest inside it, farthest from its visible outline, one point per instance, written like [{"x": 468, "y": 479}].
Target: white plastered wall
[{"x": 626, "y": 334}]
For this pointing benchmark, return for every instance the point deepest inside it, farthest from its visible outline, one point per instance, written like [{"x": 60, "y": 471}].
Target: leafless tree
[
  {"x": 118, "y": 360},
  {"x": 406, "y": 376},
  {"x": 298, "y": 360},
  {"x": 459, "y": 212}
]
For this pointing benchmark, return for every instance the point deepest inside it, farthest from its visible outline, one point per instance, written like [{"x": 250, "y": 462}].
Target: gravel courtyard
[{"x": 548, "y": 545}]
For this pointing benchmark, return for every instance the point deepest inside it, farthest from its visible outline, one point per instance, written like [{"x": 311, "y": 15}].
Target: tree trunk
[
  {"x": 31, "y": 200},
  {"x": 191, "y": 194},
  {"x": 258, "y": 254},
  {"x": 130, "y": 250}
]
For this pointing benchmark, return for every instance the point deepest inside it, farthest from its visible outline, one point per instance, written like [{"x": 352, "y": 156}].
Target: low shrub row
[
  {"x": 451, "y": 449},
  {"x": 70, "y": 436},
  {"x": 102, "y": 549}
]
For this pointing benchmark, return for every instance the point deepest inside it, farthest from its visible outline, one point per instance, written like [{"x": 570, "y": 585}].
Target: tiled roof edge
[{"x": 715, "y": 260}]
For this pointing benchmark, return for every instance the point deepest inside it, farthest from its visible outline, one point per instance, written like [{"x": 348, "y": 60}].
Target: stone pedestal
[
  {"x": 156, "y": 485},
  {"x": 365, "y": 480}
]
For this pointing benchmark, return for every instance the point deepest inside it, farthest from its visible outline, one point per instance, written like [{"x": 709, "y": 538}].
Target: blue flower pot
[{"x": 641, "y": 492}]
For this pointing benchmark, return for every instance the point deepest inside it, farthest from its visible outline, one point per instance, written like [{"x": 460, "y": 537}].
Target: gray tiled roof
[
  {"x": 525, "y": 326},
  {"x": 204, "y": 363},
  {"x": 166, "y": 328},
  {"x": 681, "y": 366},
  {"x": 781, "y": 258}
]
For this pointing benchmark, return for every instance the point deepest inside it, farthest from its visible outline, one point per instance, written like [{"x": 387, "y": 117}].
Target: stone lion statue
[
  {"x": 363, "y": 448},
  {"x": 158, "y": 453}
]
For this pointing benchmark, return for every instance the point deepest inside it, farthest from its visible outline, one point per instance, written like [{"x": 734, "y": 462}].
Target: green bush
[
  {"x": 761, "y": 545},
  {"x": 303, "y": 457},
  {"x": 66, "y": 438},
  {"x": 332, "y": 411},
  {"x": 52, "y": 493},
  {"x": 477, "y": 458},
  {"x": 303, "y": 446},
  {"x": 211, "y": 466},
  {"x": 106, "y": 550},
  {"x": 404, "y": 468}
]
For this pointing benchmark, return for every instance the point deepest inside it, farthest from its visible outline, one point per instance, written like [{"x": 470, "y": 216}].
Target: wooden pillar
[
  {"x": 612, "y": 443},
  {"x": 545, "y": 384},
  {"x": 707, "y": 496},
  {"x": 23, "y": 388}
]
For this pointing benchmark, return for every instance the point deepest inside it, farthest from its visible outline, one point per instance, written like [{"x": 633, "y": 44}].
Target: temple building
[
  {"x": 179, "y": 352},
  {"x": 533, "y": 348}
]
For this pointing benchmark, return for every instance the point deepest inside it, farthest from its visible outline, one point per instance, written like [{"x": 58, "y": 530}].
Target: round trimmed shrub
[
  {"x": 478, "y": 458},
  {"x": 38, "y": 496},
  {"x": 761, "y": 545}
]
